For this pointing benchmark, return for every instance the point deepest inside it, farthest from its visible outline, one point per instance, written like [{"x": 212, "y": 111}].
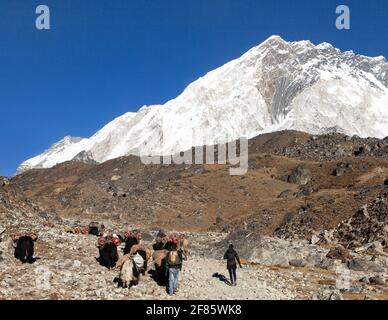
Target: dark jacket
[
  {"x": 181, "y": 257},
  {"x": 231, "y": 256}
]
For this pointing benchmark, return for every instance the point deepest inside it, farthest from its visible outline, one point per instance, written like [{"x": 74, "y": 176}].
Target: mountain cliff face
[{"x": 275, "y": 86}]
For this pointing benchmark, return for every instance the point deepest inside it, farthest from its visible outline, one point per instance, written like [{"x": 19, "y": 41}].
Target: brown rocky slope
[{"x": 339, "y": 179}]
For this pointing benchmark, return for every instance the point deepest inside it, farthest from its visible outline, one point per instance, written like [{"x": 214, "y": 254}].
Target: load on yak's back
[{"x": 130, "y": 271}]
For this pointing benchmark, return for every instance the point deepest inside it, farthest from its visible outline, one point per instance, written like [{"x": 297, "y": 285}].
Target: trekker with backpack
[
  {"x": 231, "y": 257},
  {"x": 174, "y": 262}
]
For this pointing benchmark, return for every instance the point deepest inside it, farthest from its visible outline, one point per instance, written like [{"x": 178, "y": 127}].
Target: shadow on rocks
[
  {"x": 222, "y": 278},
  {"x": 160, "y": 278}
]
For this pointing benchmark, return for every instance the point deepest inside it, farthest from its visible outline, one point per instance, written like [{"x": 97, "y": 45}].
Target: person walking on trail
[
  {"x": 174, "y": 262},
  {"x": 232, "y": 257}
]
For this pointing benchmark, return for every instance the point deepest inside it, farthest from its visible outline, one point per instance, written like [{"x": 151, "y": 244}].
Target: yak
[
  {"x": 24, "y": 250},
  {"x": 130, "y": 271},
  {"x": 160, "y": 274},
  {"x": 129, "y": 243},
  {"x": 108, "y": 255}
]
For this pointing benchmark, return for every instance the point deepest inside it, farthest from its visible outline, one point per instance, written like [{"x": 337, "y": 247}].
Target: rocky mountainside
[
  {"x": 12, "y": 199},
  {"x": 277, "y": 85},
  {"x": 368, "y": 225},
  {"x": 297, "y": 185}
]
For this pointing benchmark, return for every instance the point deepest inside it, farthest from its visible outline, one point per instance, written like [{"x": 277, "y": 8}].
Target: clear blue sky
[{"x": 103, "y": 58}]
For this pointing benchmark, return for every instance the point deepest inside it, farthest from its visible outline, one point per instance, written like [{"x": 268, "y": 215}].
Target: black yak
[
  {"x": 130, "y": 240},
  {"x": 24, "y": 250},
  {"x": 108, "y": 254}
]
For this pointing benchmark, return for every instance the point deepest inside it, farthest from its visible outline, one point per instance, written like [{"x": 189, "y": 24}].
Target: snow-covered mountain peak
[
  {"x": 276, "y": 85},
  {"x": 273, "y": 38}
]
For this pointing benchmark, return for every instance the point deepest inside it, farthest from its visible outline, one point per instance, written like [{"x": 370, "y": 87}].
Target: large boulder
[
  {"x": 338, "y": 253},
  {"x": 341, "y": 169},
  {"x": 4, "y": 181},
  {"x": 300, "y": 263},
  {"x": 378, "y": 280},
  {"x": 300, "y": 175},
  {"x": 362, "y": 264},
  {"x": 266, "y": 250},
  {"x": 328, "y": 294},
  {"x": 362, "y": 150},
  {"x": 286, "y": 194}
]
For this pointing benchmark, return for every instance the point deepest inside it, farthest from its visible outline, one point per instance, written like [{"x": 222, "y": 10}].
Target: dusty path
[
  {"x": 78, "y": 279},
  {"x": 68, "y": 270}
]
